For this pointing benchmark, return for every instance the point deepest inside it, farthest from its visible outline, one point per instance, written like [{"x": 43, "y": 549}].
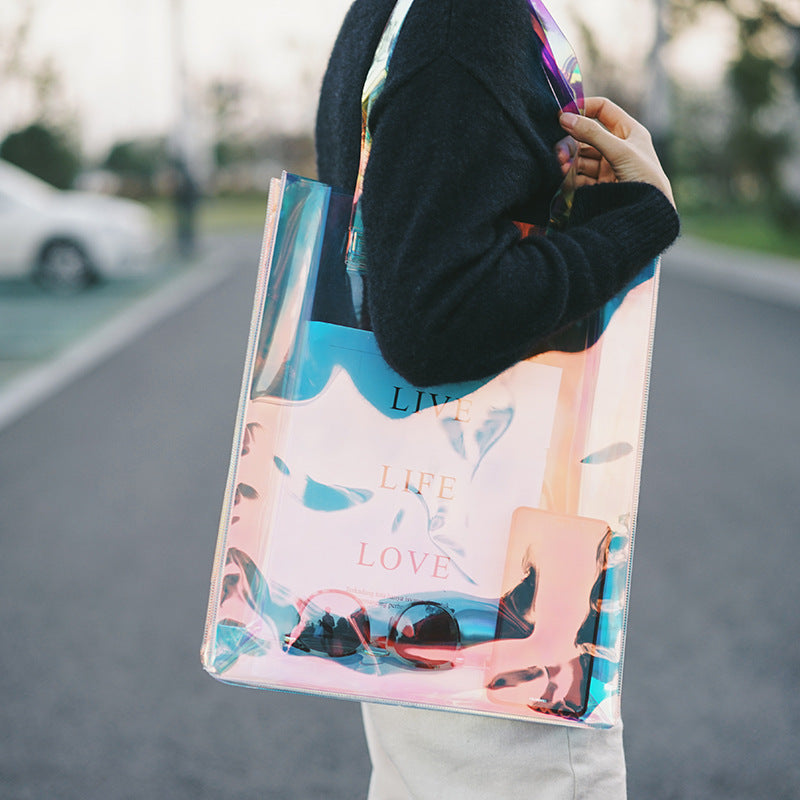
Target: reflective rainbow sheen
[
  {"x": 511, "y": 640},
  {"x": 465, "y": 546},
  {"x": 373, "y": 86},
  {"x": 443, "y": 609},
  {"x": 559, "y": 60},
  {"x": 564, "y": 76}
]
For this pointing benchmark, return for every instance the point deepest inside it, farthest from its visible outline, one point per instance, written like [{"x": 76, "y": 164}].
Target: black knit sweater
[{"x": 463, "y": 144}]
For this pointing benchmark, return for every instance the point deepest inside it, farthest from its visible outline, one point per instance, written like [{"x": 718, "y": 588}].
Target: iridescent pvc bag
[{"x": 465, "y": 547}]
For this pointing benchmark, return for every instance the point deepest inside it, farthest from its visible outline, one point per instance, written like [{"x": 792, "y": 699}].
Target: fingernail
[{"x": 568, "y": 119}]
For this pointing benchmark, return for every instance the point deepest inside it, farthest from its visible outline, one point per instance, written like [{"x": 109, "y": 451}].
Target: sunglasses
[
  {"x": 428, "y": 631},
  {"x": 425, "y": 633}
]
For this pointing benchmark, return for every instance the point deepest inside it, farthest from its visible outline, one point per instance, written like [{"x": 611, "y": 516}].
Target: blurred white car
[{"x": 66, "y": 240}]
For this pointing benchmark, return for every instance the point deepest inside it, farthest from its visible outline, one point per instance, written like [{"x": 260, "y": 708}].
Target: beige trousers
[{"x": 438, "y": 755}]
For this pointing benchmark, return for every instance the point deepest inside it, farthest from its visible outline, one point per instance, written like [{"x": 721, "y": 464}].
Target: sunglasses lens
[
  {"x": 333, "y": 624},
  {"x": 425, "y": 634}
]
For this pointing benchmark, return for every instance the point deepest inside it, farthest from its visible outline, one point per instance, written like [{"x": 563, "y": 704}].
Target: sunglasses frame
[{"x": 363, "y": 628}]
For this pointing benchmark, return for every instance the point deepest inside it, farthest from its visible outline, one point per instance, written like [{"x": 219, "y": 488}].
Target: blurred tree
[
  {"x": 47, "y": 146},
  {"x": 295, "y": 151},
  {"x": 224, "y": 98},
  {"x": 138, "y": 163},
  {"x": 12, "y": 55},
  {"x": 762, "y": 72},
  {"x": 608, "y": 77},
  {"x": 248, "y": 148},
  {"x": 44, "y": 151}
]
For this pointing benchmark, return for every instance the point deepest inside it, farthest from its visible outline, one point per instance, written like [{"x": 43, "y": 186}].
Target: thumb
[{"x": 591, "y": 132}]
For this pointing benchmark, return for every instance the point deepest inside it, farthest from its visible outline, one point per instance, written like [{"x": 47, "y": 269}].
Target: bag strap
[
  {"x": 559, "y": 60},
  {"x": 563, "y": 75},
  {"x": 355, "y": 261}
]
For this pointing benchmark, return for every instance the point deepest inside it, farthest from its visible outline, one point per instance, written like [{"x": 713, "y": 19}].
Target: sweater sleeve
[{"x": 454, "y": 293}]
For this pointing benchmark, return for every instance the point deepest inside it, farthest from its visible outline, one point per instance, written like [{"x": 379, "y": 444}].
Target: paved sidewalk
[{"x": 766, "y": 277}]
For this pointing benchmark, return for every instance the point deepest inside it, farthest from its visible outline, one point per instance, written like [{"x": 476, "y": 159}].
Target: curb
[{"x": 766, "y": 277}]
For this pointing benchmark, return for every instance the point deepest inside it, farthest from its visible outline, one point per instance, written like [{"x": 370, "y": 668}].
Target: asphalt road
[{"x": 110, "y": 494}]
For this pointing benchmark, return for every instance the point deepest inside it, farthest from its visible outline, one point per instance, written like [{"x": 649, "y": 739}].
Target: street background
[
  {"x": 111, "y": 491},
  {"x": 117, "y": 402}
]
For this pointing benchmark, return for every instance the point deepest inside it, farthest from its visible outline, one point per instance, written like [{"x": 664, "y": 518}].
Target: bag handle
[
  {"x": 562, "y": 72},
  {"x": 355, "y": 262}
]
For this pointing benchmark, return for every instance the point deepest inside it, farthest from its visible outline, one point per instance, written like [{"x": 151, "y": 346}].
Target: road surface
[{"x": 110, "y": 494}]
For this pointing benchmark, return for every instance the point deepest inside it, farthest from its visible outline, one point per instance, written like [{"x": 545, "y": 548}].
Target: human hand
[{"x": 612, "y": 146}]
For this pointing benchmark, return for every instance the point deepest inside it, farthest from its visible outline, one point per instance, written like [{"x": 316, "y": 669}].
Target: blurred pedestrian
[{"x": 186, "y": 197}]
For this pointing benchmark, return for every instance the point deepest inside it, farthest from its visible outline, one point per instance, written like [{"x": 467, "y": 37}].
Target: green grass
[
  {"x": 748, "y": 229},
  {"x": 218, "y": 214},
  {"x": 230, "y": 213}
]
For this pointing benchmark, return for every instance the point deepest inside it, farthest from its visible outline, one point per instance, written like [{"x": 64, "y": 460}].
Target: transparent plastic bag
[{"x": 466, "y": 546}]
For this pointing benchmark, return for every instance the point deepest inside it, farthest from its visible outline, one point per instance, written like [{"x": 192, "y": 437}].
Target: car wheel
[{"x": 64, "y": 267}]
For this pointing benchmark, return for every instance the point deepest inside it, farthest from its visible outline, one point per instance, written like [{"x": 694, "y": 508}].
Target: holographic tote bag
[{"x": 463, "y": 547}]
